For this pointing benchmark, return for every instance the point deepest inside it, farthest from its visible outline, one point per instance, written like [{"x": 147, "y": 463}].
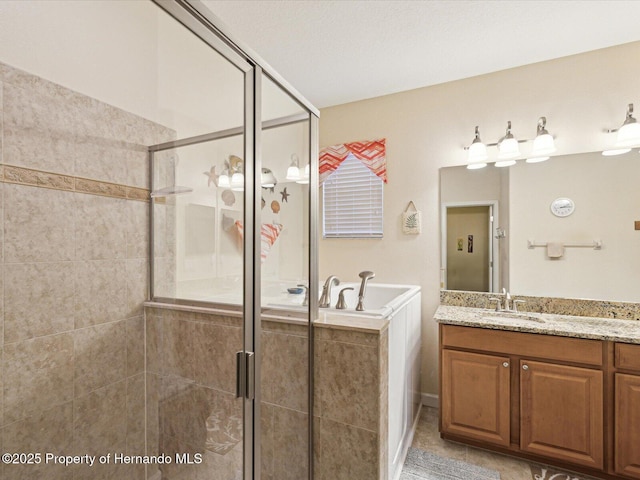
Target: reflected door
[{"x": 469, "y": 248}]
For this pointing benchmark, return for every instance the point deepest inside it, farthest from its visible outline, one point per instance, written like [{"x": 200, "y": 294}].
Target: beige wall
[
  {"x": 606, "y": 195},
  {"x": 427, "y": 128}
]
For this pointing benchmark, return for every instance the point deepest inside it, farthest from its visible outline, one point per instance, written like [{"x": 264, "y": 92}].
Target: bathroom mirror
[{"x": 594, "y": 250}]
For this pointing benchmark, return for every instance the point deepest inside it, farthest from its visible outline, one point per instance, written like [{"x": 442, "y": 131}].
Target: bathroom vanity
[{"x": 558, "y": 389}]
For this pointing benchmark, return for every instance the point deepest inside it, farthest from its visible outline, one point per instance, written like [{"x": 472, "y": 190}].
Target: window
[{"x": 352, "y": 202}]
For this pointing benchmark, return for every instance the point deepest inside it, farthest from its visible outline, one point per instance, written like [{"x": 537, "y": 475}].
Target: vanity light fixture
[
  {"x": 508, "y": 149},
  {"x": 293, "y": 172},
  {"x": 477, "y": 153},
  {"x": 543, "y": 144},
  {"x": 628, "y": 135},
  {"x": 233, "y": 175}
]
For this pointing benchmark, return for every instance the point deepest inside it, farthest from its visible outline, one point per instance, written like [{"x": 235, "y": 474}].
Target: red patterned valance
[{"x": 371, "y": 153}]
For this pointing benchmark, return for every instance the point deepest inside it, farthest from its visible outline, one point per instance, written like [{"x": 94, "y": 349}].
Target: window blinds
[{"x": 352, "y": 202}]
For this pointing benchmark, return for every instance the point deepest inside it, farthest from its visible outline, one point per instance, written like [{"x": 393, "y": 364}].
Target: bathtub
[{"x": 380, "y": 300}]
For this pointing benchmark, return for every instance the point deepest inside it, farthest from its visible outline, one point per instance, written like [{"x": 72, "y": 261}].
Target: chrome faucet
[
  {"x": 365, "y": 276},
  {"x": 325, "y": 298},
  {"x": 305, "y": 302},
  {"x": 342, "y": 305},
  {"x": 502, "y": 304}
]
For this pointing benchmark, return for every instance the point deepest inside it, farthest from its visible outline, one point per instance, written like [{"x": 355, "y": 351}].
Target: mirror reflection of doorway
[{"x": 468, "y": 247}]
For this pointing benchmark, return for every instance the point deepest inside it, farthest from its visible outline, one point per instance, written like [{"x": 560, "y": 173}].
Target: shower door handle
[
  {"x": 241, "y": 371},
  {"x": 245, "y": 374}
]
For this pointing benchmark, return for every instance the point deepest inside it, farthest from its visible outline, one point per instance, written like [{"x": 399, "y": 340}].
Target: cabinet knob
[
  {"x": 505, "y": 364},
  {"x": 525, "y": 367}
]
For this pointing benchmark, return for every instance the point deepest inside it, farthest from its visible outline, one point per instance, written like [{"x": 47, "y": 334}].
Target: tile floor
[{"x": 428, "y": 438}]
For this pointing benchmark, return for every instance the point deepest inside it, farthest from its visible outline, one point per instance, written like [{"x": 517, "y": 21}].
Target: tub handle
[{"x": 342, "y": 305}]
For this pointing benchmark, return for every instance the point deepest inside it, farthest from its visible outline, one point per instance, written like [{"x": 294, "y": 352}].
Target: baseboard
[{"x": 430, "y": 400}]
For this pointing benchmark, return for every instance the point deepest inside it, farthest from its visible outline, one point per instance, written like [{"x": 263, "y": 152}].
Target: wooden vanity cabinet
[
  {"x": 539, "y": 395},
  {"x": 627, "y": 410},
  {"x": 561, "y": 412},
  {"x": 478, "y": 395}
]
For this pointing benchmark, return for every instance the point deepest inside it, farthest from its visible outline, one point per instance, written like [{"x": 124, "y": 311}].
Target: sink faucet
[
  {"x": 325, "y": 298},
  {"x": 502, "y": 304},
  {"x": 365, "y": 276}
]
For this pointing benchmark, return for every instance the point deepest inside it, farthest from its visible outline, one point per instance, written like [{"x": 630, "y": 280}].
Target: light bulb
[
  {"x": 293, "y": 173},
  {"x": 505, "y": 163},
  {"x": 629, "y": 135},
  {"x": 305, "y": 178},
  {"x": 477, "y": 153},
  {"x": 223, "y": 181},
  {"x": 237, "y": 182}
]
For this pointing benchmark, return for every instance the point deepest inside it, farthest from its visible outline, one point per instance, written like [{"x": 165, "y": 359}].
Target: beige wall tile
[
  {"x": 100, "y": 230},
  {"x": 137, "y": 229},
  {"x": 215, "y": 355},
  {"x": 135, "y": 345},
  {"x": 267, "y": 440},
  {"x": 37, "y": 300},
  {"x": 100, "y": 356},
  {"x": 136, "y": 415},
  {"x": 39, "y": 130},
  {"x": 37, "y": 375},
  {"x": 183, "y": 411},
  {"x": 348, "y": 385},
  {"x": 137, "y": 275},
  {"x": 137, "y": 165},
  {"x": 101, "y": 292},
  {"x": 100, "y": 420},
  {"x": 291, "y": 444},
  {"x": 38, "y": 224},
  {"x": 285, "y": 370},
  {"x": 152, "y": 415},
  {"x": 51, "y": 431},
  {"x": 347, "y": 336},
  {"x": 347, "y": 453},
  {"x": 104, "y": 159},
  {"x": 152, "y": 342},
  {"x": 177, "y": 347},
  {"x": 100, "y": 425}
]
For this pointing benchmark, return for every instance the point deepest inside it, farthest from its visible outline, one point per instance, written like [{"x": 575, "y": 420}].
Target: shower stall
[
  {"x": 158, "y": 191},
  {"x": 231, "y": 236}
]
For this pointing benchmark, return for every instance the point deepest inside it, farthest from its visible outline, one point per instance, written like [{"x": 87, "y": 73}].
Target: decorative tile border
[
  {"x": 57, "y": 181},
  {"x": 558, "y": 306}
]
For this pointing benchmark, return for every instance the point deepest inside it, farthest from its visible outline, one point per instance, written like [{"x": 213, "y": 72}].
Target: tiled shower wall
[{"x": 73, "y": 276}]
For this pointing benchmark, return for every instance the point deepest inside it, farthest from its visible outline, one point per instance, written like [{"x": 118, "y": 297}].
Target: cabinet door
[
  {"x": 627, "y": 425},
  {"x": 561, "y": 413},
  {"x": 475, "y": 396}
]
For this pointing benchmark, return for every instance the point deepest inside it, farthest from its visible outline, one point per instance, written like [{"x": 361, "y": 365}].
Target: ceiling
[{"x": 339, "y": 51}]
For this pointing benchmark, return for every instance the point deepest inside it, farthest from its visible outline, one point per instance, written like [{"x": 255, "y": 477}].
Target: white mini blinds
[{"x": 352, "y": 202}]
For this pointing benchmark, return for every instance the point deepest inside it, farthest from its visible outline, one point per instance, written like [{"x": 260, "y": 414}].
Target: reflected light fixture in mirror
[
  {"x": 477, "y": 153},
  {"x": 508, "y": 149},
  {"x": 293, "y": 172},
  {"x": 305, "y": 177},
  {"x": 628, "y": 135},
  {"x": 268, "y": 179},
  {"x": 543, "y": 144}
]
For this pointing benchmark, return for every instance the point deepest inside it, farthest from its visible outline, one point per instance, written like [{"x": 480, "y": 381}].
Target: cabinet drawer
[
  {"x": 576, "y": 350},
  {"x": 628, "y": 356}
]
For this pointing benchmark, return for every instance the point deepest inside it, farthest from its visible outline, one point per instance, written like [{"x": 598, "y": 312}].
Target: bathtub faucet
[
  {"x": 325, "y": 298},
  {"x": 365, "y": 276}
]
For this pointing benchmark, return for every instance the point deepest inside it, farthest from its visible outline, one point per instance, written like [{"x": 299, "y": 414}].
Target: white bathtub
[{"x": 380, "y": 300}]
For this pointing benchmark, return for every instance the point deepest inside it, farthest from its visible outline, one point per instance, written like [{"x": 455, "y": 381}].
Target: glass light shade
[
  {"x": 537, "y": 159},
  {"x": 305, "y": 178},
  {"x": 223, "y": 181},
  {"x": 477, "y": 152},
  {"x": 505, "y": 163},
  {"x": 293, "y": 173},
  {"x": 615, "y": 151},
  {"x": 628, "y": 135},
  {"x": 543, "y": 145},
  {"x": 507, "y": 149},
  {"x": 476, "y": 165},
  {"x": 237, "y": 182},
  {"x": 268, "y": 179}
]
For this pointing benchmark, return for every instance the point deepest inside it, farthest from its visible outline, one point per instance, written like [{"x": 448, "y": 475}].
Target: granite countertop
[{"x": 627, "y": 331}]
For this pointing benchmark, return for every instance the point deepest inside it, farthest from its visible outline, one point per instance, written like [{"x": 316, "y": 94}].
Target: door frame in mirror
[{"x": 494, "y": 250}]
